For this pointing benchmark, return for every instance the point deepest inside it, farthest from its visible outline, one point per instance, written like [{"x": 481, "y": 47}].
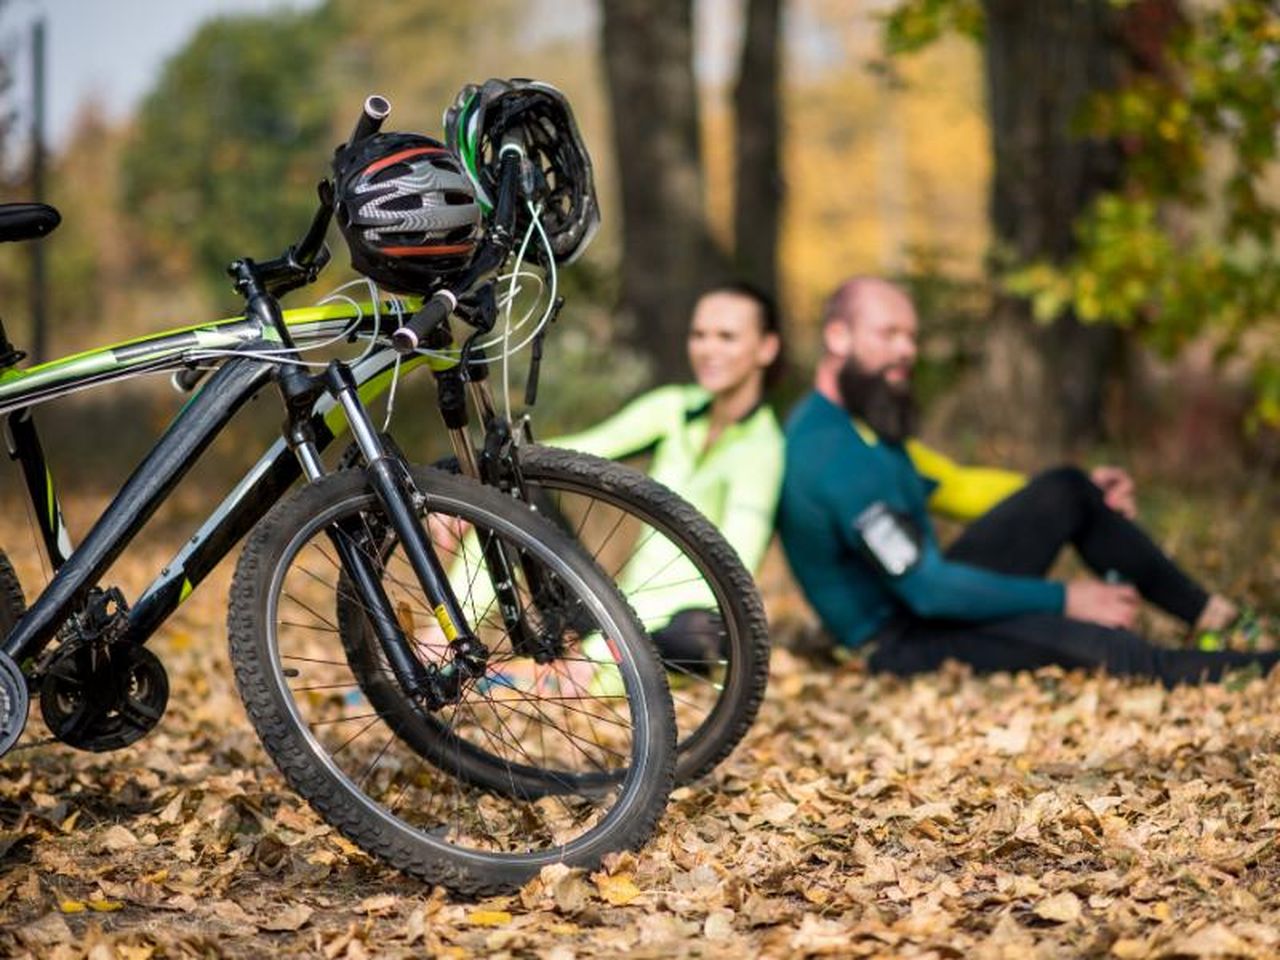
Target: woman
[{"x": 718, "y": 445}]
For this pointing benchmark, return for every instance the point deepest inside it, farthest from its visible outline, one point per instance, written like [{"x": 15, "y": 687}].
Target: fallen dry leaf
[
  {"x": 117, "y": 839},
  {"x": 49, "y": 931},
  {"x": 1213, "y": 940},
  {"x": 489, "y": 918},
  {"x": 1060, "y": 908},
  {"x": 618, "y": 890},
  {"x": 718, "y": 925},
  {"x": 379, "y": 904},
  {"x": 292, "y": 917}
]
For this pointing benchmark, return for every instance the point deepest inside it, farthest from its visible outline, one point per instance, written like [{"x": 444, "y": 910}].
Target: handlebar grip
[
  {"x": 420, "y": 326},
  {"x": 186, "y": 379},
  {"x": 376, "y": 109}
]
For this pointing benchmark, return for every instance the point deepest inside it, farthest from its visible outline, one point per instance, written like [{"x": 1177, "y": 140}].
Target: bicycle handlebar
[
  {"x": 421, "y": 325},
  {"x": 491, "y": 255},
  {"x": 310, "y": 250},
  {"x": 376, "y": 109}
]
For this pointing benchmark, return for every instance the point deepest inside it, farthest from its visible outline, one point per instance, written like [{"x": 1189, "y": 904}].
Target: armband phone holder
[{"x": 892, "y": 540}]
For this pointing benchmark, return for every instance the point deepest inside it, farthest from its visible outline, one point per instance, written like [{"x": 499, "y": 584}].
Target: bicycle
[
  {"x": 605, "y": 506},
  {"x": 603, "y": 765}
]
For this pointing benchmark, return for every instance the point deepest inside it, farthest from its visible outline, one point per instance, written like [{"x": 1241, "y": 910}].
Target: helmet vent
[
  {"x": 391, "y": 173},
  {"x": 410, "y": 201}
]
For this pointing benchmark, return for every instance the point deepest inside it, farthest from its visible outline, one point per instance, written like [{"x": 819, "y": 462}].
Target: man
[{"x": 855, "y": 526}]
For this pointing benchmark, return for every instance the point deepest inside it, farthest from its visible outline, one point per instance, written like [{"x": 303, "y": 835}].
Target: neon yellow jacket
[
  {"x": 960, "y": 492},
  {"x": 735, "y": 483}
]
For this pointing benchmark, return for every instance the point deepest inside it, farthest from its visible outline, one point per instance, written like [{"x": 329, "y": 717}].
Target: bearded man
[{"x": 854, "y": 519}]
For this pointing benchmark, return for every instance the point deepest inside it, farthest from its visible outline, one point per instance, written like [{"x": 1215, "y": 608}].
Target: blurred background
[{"x": 1083, "y": 196}]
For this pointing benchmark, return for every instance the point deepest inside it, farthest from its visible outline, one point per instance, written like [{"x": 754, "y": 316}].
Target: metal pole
[{"x": 38, "y": 286}]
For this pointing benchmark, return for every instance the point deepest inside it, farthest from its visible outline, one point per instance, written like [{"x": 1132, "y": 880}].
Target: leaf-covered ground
[{"x": 1028, "y": 816}]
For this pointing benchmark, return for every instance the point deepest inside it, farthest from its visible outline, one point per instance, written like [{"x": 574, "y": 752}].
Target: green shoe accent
[
  {"x": 1209, "y": 641},
  {"x": 1245, "y": 633}
]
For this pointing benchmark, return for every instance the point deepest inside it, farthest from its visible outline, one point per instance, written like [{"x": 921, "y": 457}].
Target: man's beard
[{"x": 887, "y": 409}]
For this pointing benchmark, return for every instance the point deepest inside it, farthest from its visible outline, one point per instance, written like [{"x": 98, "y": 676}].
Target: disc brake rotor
[{"x": 13, "y": 703}]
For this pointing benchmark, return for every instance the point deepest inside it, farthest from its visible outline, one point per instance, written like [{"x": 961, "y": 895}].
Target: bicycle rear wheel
[
  {"x": 621, "y": 516},
  {"x": 618, "y": 514},
  {"x": 569, "y": 774}
]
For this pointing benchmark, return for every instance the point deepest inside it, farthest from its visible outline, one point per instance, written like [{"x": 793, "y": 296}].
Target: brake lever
[{"x": 480, "y": 308}]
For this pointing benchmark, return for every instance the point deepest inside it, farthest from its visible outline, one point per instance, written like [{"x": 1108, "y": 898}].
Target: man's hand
[
  {"x": 1108, "y": 604},
  {"x": 1117, "y": 489}
]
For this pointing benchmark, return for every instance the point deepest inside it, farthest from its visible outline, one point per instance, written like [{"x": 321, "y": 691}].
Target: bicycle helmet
[
  {"x": 407, "y": 209},
  {"x": 538, "y": 117}
]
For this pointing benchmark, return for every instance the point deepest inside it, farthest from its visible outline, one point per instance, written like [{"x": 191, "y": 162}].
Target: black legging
[
  {"x": 692, "y": 642},
  {"x": 1023, "y": 535}
]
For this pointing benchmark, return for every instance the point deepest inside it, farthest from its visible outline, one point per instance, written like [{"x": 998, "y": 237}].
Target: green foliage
[
  {"x": 231, "y": 143},
  {"x": 1187, "y": 246},
  {"x": 914, "y": 24}
]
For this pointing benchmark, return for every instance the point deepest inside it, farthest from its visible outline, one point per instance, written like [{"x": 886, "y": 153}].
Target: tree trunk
[
  {"x": 758, "y": 191},
  {"x": 1042, "y": 63},
  {"x": 668, "y": 254}
]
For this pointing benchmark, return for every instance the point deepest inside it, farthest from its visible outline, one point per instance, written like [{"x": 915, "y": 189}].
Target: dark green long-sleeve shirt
[{"x": 834, "y": 473}]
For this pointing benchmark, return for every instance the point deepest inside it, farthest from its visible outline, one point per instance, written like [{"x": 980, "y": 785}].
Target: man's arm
[
  {"x": 962, "y": 493},
  {"x": 907, "y": 560},
  {"x": 940, "y": 588}
]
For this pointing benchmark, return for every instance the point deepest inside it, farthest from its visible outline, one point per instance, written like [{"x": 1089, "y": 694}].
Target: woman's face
[{"x": 727, "y": 343}]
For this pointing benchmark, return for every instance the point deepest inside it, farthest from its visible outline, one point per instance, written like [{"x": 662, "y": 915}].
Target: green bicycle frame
[{"x": 236, "y": 381}]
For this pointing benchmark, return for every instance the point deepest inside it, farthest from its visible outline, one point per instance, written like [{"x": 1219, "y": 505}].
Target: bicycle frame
[{"x": 234, "y": 383}]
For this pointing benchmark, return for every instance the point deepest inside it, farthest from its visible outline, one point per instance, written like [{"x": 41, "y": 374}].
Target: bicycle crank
[
  {"x": 13, "y": 703},
  {"x": 104, "y": 696}
]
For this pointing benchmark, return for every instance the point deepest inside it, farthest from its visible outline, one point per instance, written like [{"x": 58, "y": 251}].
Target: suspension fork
[
  {"x": 452, "y": 400},
  {"x": 299, "y": 392},
  {"x": 400, "y": 499},
  {"x": 498, "y": 465}
]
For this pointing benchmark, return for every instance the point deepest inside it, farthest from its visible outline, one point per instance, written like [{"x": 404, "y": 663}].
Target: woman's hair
[{"x": 770, "y": 321}]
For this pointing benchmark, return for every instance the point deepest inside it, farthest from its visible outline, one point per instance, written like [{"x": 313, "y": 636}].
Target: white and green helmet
[{"x": 540, "y": 118}]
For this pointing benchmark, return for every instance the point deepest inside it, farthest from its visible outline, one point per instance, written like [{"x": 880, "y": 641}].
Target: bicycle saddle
[{"x": 24, "y": 221}]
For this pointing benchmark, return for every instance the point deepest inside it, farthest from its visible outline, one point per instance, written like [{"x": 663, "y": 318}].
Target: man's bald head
[
  {"x": 862, "y": 295},
  {"x": 872, "y": 323}
]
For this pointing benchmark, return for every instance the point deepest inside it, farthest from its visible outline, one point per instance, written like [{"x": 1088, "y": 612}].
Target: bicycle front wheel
[{"x": 575, "y": 768}]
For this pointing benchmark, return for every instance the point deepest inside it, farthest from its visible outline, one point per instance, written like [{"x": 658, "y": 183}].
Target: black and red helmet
[{"x": 407, "y": 209}]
